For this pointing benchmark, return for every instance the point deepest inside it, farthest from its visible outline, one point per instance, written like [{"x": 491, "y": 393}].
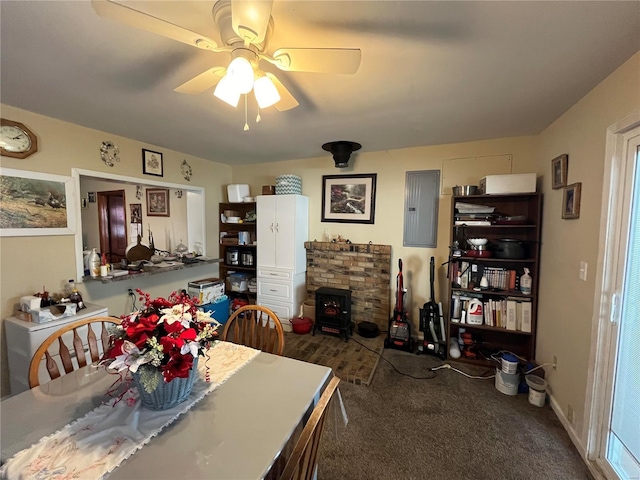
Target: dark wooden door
[{"x": 113, "y": 225}]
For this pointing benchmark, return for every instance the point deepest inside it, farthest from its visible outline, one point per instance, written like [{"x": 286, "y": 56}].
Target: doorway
[
  {"x": 112, "y": 224},
  {"x": 615, "y": 424}
]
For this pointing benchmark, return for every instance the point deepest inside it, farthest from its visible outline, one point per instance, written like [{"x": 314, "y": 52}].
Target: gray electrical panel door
[{"x": 421, "y": 199}]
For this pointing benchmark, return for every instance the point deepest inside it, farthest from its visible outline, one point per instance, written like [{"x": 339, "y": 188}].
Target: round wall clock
[{"x": 16, "y": 140}]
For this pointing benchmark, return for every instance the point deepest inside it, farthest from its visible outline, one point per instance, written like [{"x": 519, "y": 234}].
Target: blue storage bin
[{"x": 219, "y": 310}]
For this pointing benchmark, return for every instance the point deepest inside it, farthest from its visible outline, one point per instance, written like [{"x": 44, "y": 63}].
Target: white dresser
[
  {"x": 24, "y": 338},
  {"x": 282, "y": 229}
]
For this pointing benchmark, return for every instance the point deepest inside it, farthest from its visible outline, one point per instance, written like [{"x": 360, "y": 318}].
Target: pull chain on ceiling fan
[{"x": 245, "y": 29}]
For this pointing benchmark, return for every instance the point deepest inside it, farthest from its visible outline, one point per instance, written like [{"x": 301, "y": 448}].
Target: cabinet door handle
[
  {"x": 271, "y": 227},
  {"x": 273, "y": 290},
  {"x": 277, "y": 225}
]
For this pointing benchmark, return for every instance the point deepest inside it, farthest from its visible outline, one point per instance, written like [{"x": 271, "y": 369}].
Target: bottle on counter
[
  {"x": 75, "y": 296},
  {"x": 94, "y": 264}
]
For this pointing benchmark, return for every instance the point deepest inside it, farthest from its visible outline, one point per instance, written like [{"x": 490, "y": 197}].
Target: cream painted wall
[
  {"x": 391, "y": 167},
  {"x": 28, "y": 263},
  {"x": 566, "y": 304}
]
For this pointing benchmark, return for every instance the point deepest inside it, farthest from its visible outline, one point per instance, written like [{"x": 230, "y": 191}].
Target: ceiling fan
[{"x": 245, "y": 29}]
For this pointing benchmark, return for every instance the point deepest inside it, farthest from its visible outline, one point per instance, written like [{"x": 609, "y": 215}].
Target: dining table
[{"x": 237, "y": 431}]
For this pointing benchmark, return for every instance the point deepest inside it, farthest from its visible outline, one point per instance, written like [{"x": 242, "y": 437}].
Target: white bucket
[
  {"x": 537, "y": 397},
  {"x": 509, "y": 363},
  {"x": 537, "y": 390},
  {"x": 507, "y": 383}
]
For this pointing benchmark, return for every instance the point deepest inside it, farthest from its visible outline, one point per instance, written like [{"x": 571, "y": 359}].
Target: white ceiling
[{"x": 431, "y": 72}]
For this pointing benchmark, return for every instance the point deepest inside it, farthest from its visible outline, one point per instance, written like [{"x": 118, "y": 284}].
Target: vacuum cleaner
[
  {"x": 399, "y": 332},
  {"x": 432, "y": 323}
]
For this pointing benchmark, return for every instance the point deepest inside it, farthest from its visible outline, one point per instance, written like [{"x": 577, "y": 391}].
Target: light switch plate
[{"x": 582, "y": 275}]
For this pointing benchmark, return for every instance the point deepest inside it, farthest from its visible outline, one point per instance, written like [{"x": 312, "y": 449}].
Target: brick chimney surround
[{"x": 362, "y": 268}]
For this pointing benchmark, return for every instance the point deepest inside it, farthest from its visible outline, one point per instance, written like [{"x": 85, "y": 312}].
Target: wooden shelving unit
[
  {"x": 489, "y": 339},
  {"x": 230, "y": 241}
]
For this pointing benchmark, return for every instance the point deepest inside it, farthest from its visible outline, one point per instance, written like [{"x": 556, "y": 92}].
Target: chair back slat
[
  {"x": 93, "y": 345},
  {"x": 302, "y": 463},
  {"x": 52, "y": 366},
  {"x": 63, "y": 356},
  {"x": 257, "y": 327},
  {"x": 78, "y": 349}
]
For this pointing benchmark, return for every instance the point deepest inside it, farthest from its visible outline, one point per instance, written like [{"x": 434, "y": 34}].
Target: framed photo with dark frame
[
  {"x": 152, "y": 163},
  {"x": 559, "y": 167},
  {"x": 158, "y": 202},
  {"x": 349, "y": 198},
  {"x": 571, "y": 201}
]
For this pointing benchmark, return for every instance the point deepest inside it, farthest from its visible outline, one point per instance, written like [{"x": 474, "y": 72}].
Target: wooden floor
[{"x": 351, "y": 361}]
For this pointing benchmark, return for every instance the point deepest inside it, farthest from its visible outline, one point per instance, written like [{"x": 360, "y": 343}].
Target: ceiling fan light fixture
[
  {"x": 240, "y": 72},
  {"x": 266, "y": 92},
  {"x": 227, "y": 91},
  {"x": 341, "y": 151}
]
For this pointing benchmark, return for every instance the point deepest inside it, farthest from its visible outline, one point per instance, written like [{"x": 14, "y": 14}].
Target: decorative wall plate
[{"x": 109, "y": 153}]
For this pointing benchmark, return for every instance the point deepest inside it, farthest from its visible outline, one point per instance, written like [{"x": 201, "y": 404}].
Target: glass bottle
[{"x": 75, "y": 296}]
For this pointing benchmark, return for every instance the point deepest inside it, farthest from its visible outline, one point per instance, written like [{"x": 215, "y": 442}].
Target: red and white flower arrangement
[{"x": 161, "y": 341}]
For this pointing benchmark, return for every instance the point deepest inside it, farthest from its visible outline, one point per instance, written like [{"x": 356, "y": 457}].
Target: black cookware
[{"x": 510, "y": 248}]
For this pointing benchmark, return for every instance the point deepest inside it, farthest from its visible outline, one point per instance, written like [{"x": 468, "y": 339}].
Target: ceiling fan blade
[
  {"x": 142, "y": 21},
  {"x": 202, "y": 82},
  {"x": 250, "y": 18},
  {"x": 287, "y": 102},
  {"x": 321, "y": 60}
]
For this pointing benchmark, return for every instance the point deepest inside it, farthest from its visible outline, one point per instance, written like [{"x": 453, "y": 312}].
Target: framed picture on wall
[
  {"x": 34, "y": 203},
  {"x": 571, "y": 201},
  {"x": 158, "y": 202},
  {"x": 152, "y": 163},
  {"x": 559, "y": 167},
  {"x": 349, "y": 198},
  {"x": 136, "y": 212}
]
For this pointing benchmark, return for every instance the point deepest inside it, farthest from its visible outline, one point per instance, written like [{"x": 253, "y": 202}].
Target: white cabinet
[
  {"x": 24, "y": 338},
  {"x": 282, "y": 229}
]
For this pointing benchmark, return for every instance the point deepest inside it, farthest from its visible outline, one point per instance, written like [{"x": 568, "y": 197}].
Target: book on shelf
[{"x": 526, "y": 317}]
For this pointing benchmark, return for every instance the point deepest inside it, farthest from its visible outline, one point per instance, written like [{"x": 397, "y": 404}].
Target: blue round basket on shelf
[{"x": 167, "y": 395}]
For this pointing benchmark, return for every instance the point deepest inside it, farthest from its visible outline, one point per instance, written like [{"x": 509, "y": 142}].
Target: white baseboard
[{"x": 595, "y": 471}]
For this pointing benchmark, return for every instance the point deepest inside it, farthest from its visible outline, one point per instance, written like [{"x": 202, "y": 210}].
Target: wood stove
[{"x": 333, "y": 312}]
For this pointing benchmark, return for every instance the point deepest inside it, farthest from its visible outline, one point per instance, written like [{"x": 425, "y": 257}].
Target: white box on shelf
[
  {"x": 237, "y": 191},
  {"x": 512, "y": 183},
  {"x": 207, "y": 290}
]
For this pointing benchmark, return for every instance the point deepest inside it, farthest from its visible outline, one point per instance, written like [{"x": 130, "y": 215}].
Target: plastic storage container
[
  {"x": 239, "y": 282},
  {"x": 237, "y": 191},
  {"x": 219, "y": 309}
]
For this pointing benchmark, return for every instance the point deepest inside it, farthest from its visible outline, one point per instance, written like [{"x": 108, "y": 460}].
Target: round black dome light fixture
[{"x": 341, "y": 151}]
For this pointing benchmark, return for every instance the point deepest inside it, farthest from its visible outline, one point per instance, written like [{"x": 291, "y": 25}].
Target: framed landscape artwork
[
  {"x": 349, "y": 198},
  {"x": 33, "y": 203}
]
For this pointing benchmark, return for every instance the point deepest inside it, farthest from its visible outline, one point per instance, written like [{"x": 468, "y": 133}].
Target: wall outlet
[
  {"x": 555, "y": 362},
  {"x": 570, "y": 413}
]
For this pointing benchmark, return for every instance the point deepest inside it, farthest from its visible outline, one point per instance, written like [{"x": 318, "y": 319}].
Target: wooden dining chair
[
  {"x": 302, "y": 462},
  {"x": 256, "y": 327},
  {"x": 56, "y": 352}
]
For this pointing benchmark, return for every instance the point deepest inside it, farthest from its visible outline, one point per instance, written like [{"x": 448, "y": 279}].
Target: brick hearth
[{"x": 362, "y": 268}]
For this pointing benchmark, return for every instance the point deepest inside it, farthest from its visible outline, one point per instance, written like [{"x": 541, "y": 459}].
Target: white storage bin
[
  {"x": 237, "y": 191},
  {"x": 513, "y": 183}
]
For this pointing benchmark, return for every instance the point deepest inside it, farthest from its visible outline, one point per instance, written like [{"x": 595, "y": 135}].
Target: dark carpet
[{"x": 446, "y": 428}]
